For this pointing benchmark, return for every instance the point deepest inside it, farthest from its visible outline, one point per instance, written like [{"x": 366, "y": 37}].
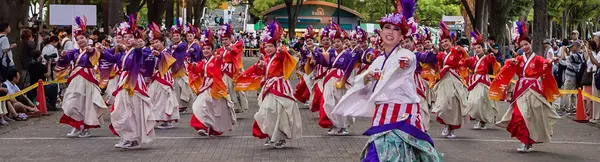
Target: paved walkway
[{"x": 43, "y": 139}]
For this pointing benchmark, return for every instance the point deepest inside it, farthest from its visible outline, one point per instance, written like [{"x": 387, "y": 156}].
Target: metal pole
[{"x": 339, "y": 2}]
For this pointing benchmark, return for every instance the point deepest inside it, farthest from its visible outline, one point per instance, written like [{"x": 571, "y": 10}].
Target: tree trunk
[
  {"x": 564, "y": 25},
  {"x": 540, "y": 23},
  {"x": 169, "y": 13},
  {"x": 292, "y": 16},
  {"x": 189, "y": 8},
  {"x": 14, "y": 12},
  {"x": 134, "y": 6},
  {"x": 199, "y": 12},
  {"x": 499, "y": 19}
]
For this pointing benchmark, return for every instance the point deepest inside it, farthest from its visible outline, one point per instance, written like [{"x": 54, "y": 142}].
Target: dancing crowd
[{"x": 397, "y": 77}]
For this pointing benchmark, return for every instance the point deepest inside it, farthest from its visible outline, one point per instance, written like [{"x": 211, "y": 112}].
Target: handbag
[{"x": 597, "y": 79}]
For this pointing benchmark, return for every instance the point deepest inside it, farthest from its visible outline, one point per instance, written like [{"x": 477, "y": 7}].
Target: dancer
[
  {"x": 183, "y": 92},
  {"x": 367, "y": 54},
  {"x": 341, "y": 65},
  {"x": 478, "y": 84},
  {"x": 194, "y": 51},
  {"x": 278, "y": 118},
  {"x": 450, "y": 104},
  {"x": 114, "y": 71},
  {"x": 303, "y": 93},
  {"x": 421, "y": 58},
  {"x": 387, "y": 92},
  {"x": 232, "y": 65},
  {"x": 131, "y": 117},
  {"x": 164, "y": 100},
  {"x": 530, "y": 118},
  {"x": 318, "y": 71},
  {"x": 83, "y": 106},
  {"x": 213, "y": 110}
]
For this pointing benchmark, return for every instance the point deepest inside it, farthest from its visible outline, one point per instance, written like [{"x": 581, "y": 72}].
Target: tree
[
  {"x": 292, "y": 15},
  {"x": 15, "y": 13},
  {"x": 134, "y": 6},
  {"x": 540, "y": 25},
  {"x": 430, "y": 12},
  {"x": 156, "y": 10}
]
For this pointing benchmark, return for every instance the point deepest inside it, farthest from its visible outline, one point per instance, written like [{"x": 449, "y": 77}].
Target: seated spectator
[
  {"x": 39, "y": 70},
  {"x": 21, "y": 103}
]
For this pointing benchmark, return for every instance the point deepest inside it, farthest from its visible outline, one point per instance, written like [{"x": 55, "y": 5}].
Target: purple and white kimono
[
  {"x": 183, "y": 92},
  {"x": 428, "y": 57}
]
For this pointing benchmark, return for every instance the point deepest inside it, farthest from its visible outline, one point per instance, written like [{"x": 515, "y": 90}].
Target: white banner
[{"x": 65, "y": 14}]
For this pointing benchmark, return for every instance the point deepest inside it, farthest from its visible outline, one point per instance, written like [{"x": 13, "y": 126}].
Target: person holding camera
[{"x": 41, "y": 71}]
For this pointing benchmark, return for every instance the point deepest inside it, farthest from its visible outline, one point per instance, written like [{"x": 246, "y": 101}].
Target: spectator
[
  {"x": 299, "y": 45},
  {"x": 6, "y": 58},
  {"x": 66, "y": 42},
  {"x": 573, "y": 60},
  {"x": 50, "y": 50},
  {"x": 21, "y": 104},
  {"x": 548, "y": 48},
  {"x": 27, "y": 45},
  {"x": 594, "y": 57},
  {"x": 494, "y": 48},
  {"x": 574, "y": 35},
  {"x": 39, "y": 70}
]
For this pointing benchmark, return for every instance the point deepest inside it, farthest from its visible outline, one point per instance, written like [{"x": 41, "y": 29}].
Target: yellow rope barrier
[{"x": 23, "y": 91}]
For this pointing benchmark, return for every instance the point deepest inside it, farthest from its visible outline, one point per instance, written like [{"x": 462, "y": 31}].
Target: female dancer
[
  {"x": 302, "y": 92},
  {"x": 318, "y": 71},
  {"x": 450, "y": 104},
  {"x": 164, "y": 101},
  {"x": 232, "y": 65},
  {"x": 530, "y": 118},
  {"x": 183, "y": 92},
  {"x": 278, "y": 118},
  {"x": 387, "y": 92},
  {"x": 478, "y": 103},
  {"x": 83, "y": 105},
  {"x": 341, "y": 65},
  {"x": 213, "y": 110},
  {"x": 131, "y": 116}
]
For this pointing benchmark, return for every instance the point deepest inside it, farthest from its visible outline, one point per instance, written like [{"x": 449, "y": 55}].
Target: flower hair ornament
[
  {"x": 177, "y": 28},
  {"x": 155, "y": 33},
  {"x": 445, "y": 32},
  {"x": 310, "y": 33},
  {"x": 476, "y": 38},
  {"x": 360, "y": 34},
  {"x": 81, "y": 25},
  {"x": 206, "y": 38},
  {"x": 335, "y": 31},
  {"x": 225, "y": 31},
  {"x": 523, "y": 32},
  {"x": 272, "y": 33},
  {"x": 397, "y": 18}
]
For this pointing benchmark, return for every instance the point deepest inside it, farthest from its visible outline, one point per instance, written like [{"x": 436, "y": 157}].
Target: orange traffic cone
[
  {"x": 41, "y": 98},
  {"x": 580, "y": 115}
]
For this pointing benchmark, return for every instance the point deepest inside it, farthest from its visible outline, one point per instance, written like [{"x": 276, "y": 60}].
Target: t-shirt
[
  {"x": 5, "y": 44},
  {"x": 36, "y": 72},
  {"x": 12, "y": 88},
  {"x": 67, "y": 44}
]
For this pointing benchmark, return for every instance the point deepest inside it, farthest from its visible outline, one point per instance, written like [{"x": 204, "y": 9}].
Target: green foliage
[
  {"x": 431, "y": 11},
  {"x": 521, "y": 8}
]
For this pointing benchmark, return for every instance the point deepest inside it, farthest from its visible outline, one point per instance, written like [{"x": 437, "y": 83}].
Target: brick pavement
[{"x": 44, "y": 139}]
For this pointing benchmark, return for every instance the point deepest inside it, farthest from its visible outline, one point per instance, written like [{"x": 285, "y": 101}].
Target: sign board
[
  {"x": 65, "y": 14},
  {"x": 319, "y": 12}
]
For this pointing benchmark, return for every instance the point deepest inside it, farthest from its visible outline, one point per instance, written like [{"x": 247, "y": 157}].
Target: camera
[{"x": 51, "y": 56}]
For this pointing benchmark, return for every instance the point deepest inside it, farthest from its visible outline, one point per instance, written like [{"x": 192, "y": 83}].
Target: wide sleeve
[
  {"x": 65, "y": 60},
  {"x": 218, "y": 88},
  {"x": 427, "y": 57},
  {"x": 195, "y": 76},
  {"x": 550, "y": 90},
  {"x": 250, "y": 79},
  {"x": 500, "y": 83},
  {"x": 319, "y": 57}
]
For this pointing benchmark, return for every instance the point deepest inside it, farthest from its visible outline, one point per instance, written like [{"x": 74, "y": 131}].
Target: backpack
[
  {"x": 582, "y": 77},
  {"x": 4, "y": 58}
]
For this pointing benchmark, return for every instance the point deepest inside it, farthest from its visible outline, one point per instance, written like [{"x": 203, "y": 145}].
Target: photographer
[
  {"x": 39, "y": 70},
  {"x": 50, "y": 52}
]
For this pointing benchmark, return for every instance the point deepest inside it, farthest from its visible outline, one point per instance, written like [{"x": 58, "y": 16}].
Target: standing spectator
[
  {"x": 573, "y": 60},
  {"x": 50, "y": 50},
  {"x": 6, "y": 58},
  {"x": 66, "y": 42},
  {"x": 27, "y": 45},
  {"x": 299, "y": 45},
  {"x": 594, "y": 57},
  {"x": 548, "y": 48},
  {"x": 574, "y": 35},
  {"x": 494, "y": 48},
  {"x": 39, "y": 70}
]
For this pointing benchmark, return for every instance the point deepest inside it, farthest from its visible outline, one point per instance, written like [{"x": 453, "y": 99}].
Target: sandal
[
  {"x": 34, "y": 114},
  {"x": 19, "y": 118}
]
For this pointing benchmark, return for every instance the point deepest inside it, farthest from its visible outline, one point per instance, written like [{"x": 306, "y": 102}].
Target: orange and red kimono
[
  {"x": 480, "y": 68},
  {"x": 232, "y": 60},
  {"x": 210, "y": 77}
]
